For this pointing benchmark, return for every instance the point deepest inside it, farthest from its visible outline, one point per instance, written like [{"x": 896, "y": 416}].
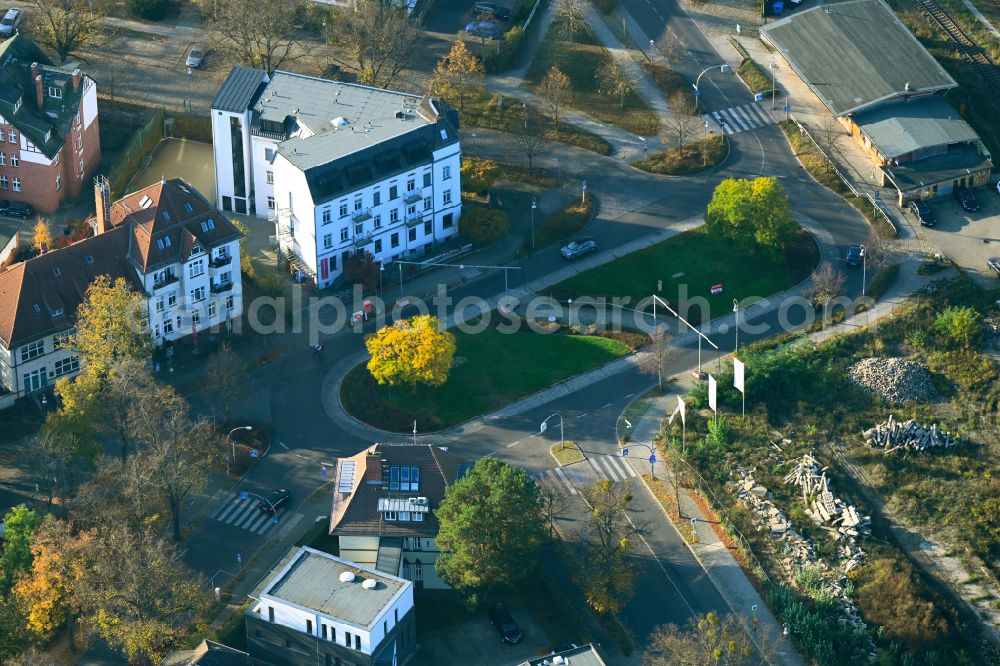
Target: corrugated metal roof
[
  {"x": 854, "y": 54},
  {"x": 903, "y": 127},
  {"x": 239, "y": 90}
]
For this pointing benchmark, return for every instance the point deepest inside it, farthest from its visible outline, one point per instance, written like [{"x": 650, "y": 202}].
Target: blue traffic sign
[
  {"x": 275, "y": 520},
  {"x": 625, "y": 451},
  {"x": 254, "y": 453},
  {"x": 324, "y": 471},
  {"x": 788, "y": 108},
  {"x": 652, "y": 458},
  {"x": 759, "y": 97},
  {"x": 243, "y": 496}
]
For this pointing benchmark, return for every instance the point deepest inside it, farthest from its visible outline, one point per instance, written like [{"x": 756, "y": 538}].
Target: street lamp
[
  {"x": 189, "y": 89},
  {"x": 229, "y": 438},
  {"x": 864, "y": 266},
  {"x": 545, "y": 426},
  {"x": 772, "y": 67},
  {"x": 697, "y": 91},
  {"x": 534, "y": 205},
  {"x": 381, "y": 269},
  {"x": 705, "y": 151},
  {"x": 651, "y": 52}
]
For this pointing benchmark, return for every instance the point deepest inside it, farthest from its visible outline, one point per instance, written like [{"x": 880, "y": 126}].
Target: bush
[
  {"x": 484, "y": 226},
  {"x": 478, "y": 173},
  {"x": 814, "y": 628},
  {"x": 510, "y": 51},
  {"x": 888, "y": 595},
  {"x": 151, "y": 10}
]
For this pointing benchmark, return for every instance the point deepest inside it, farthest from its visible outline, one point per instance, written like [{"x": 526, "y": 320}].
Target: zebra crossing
[
  {"x": 243, "y": 513},
  {"x": 569, "y": 478},
  {"x": 740, "y": 118}
]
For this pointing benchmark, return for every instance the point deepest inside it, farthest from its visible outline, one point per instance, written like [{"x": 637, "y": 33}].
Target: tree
[
  {"x": 246, "y": 260},
  {"x": 828, "y": 284},
  {"x": 19, "y": 525},
  {"x": 613, "y": 80},
  {"x": 110, "y": 325},
  {"x": 554, "y": 89},
  {"x": 411, "y": 351},
  {"x": 653, "y": 361},
  {"x": 681, "y": 124},
  {"x": 610, "y": 573},
  {"x": 361, "y": 268},
  {"x": 377, "y": 38},
  {"x": 552, "y": 505},
  {"x": 960, "y": 323},
  {"x": 529, "y": 136},
  {"x": 223, "y": 374},
  {"x": 151, "y": 10},
  {"x": 43, "y": 236},
  {"x": 63, "y": 445},
  {"x": 570, "y": 18},
  {"x": 14, "y": 636},
  {"x": 65, "y": 26},
  {"x": 751, "y": 213},
  {"x": 708, "y": 639},
  {"x": 670, "y": 49},
  {"x": 128, "y": 380},
  {"x": 491, "y": 527},
  {"x": 457, "y": 74},
  {"x": 829, "y": 133},
  {"x": 260, "y": 33}
]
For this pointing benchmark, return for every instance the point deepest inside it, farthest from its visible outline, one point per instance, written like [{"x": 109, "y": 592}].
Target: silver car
[
  {"x": 578, "y": 248},
  {"x": 11, "y": 20},
  {"x": 195, "y": 56}
]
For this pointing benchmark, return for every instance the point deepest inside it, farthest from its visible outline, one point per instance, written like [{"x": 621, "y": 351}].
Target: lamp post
[
  {"x": 772, "y": 67},
  {"x": 651, "y": 51},
  {"x": 534, "y": 205},
  {"x": 736, "y": 309},
  {"x": 864, "y": 267},
  {"x": 381, "y": 269},
  {"x": 270, "y": 505},
  {"x": 545, "y": 426},
  {"x": 189, "y": 89},
  {"x": 704, "y": 153},
  {"x": 229, "y": 438},
  {"x": 697, "y": 91}
]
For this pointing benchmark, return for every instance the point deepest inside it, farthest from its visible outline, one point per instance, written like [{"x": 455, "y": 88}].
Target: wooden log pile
[{"x": 891, "y": 436}]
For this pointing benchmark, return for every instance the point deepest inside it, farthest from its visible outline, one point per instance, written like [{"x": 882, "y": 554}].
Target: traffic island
[{"x": 567, "y": 453}]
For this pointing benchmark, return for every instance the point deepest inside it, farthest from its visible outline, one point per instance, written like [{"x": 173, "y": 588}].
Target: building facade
[
  {"x": 51, "y": 143},
  {"x": 340, "y": 168},
  {"x": 314, "y": 608},
  {"x": 166, "y": 241}
]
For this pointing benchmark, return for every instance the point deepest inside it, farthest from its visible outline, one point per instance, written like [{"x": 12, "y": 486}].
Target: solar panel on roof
[{"x": 346, "y": 482}]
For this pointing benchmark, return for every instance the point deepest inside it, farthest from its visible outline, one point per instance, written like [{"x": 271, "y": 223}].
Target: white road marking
[
  {"x": 283, "y": 446},
  {"x": 513, "y": 444}
]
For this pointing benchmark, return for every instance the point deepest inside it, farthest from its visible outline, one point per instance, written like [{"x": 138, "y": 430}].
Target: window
[
  {"x": 333, "y": 262},
  {"x": 418, "y": 518},
  {"x": 406, "y": 575},
  {"x": 211, "y": 309},
  {"x": 357, "y": 641},
  {"x": 448, "y": 221},
  {"x": 411, "y": 209},
  {"x": 343, "y": 209},
  {"x": 309, "y": 627},
  {"x": 288, "y": 642},
  {"x": 270, "y": 203},
  {"x": 156, "y": 330},
  {"x": 32, "y": 350},
  {"x": 35, "y": 379},
  {"x": 344, "y": 234},
  {"x": 390, "y": 515},
  {"x": 159, "y": 305},
  {"x": 196, "y": 317},
  {"x": 393, "y": 216},
  {"x": 359, "y": 228},
  {"x": 446, "y": 196},
  {"x": 427, "y": 178},
  {"x": 163, "y": 243},
  {"x": 172, "y": 299},
  {"x": 404, "y": 478},
  {"x": 168, "y": 327},
  {"x": 14, "y": 161},
  {"x": 4, "y": 183},
  {"x": 17, "y": 184},
  {"x": 404, "y": 516},
  {"x": 230, "y": 303},
  {"x": 206, "y": 225},
  {"x": 418, "y": 571},
  {"x": 428, "y": 203},
  {"x": 393, "y": 192},
  {"x": 322, "y": 629},
  {"x": 357, "y": 204},
  {"x": 378, "y": 221},
  {"x": 411, "y": 185},
  {"x": 378, "y": 246},
  {"x": 376, "y": 197},
  {"x": 269, "y": 154},
  {"x": 60, "y": 340},
  {"x": 12, "y": 135},
  {"x": 347, "y": 638},
  {"x": 327, "y": 241},
  {"x": 269, "y": 175},
  {"x": 3, "y": 159},
  {"x": 395, "y": 615},
  {"x": 428, "y": 228},
  {"x": 197, "y": 294},
  {"x": 327, "y": 216},
  {"x": 58, "y": 182},
  {"x": 394, "y": 240},
  {"x": 418, "y": 543},
  {"x": 196, "y": 268},
  {"x": 195, "y": 249},
  {"x": 412, "y": 234},
  {"x": 446, "y": 172}
]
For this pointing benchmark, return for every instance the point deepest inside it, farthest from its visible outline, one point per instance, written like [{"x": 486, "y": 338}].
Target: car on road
[
  {"x": 854, "y": 255},
  {"x": 195, "y": 56},
  {"x": 483, "y": 29},
  {"x": 923, "y": 213},
  {"x": 10, "y": 21},
  {"x": 505, "y": 625},
  {"x": 968, "y": 200},
  {"x": 274, "y": 501},
  {"x": 578, "y": 248},
  {"x": 491, "y": 9},
  {"x": 994, "y": 263},
  {"x": 14, "y": 209}
]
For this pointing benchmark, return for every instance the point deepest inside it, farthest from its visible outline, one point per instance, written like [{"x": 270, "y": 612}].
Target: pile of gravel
[{"x": 895, "y": 379}]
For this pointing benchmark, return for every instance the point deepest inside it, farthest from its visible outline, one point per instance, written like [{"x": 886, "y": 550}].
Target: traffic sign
[
  {"x": 625, "y": 451},
  {"x": 254, "y": 453},
  {"x": 652, "y": 459},
  {"x": 759, "y": 97},
  {"x": 788, "y": 107},
  {"x": 244, "y": 496},
  {"x": 276, "y": 520},
  {"x": 324, "y": 471}
]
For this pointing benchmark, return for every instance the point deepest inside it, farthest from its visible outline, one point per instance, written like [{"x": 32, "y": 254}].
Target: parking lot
[
  {"x": 968, "y": 239},
  {"x": 477, "y": 642}
]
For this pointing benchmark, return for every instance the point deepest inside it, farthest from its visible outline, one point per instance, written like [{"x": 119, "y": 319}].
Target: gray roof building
[
  {"x": 585, "y": 655},
  {"x": 905, "y": 127},
  {"x": 855, "y": 54},
  {"x": 239, "y": 89}
]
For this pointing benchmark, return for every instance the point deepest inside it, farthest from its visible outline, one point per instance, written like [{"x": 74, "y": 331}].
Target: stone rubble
[
  {"x": 908, "y": 435},
  {"x": 895, "y": 379},
  {"x": 826, "y": 510}
]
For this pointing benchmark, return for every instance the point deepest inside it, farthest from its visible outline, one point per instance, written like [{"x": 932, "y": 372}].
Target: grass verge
[
  {"x": 564, "y": 222},
  {"x": 687, "y": 159},
  {"x": 491, "y": 369},
  {"x": 479, "y": 174},
  {"x": 670, "y": 83},
  {"x": 567, "y": 453},
  {"x": 688, "y": 265}
]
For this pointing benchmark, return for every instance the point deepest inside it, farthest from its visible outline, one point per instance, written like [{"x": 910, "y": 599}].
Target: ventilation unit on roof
[
  {"x": 145, "y": 202},
  {"x": 400, "y": 115},
  {"x": 340, "y": 121},
  {"x": 347, "y": 577},
  {"x": 369, "y": 583}
]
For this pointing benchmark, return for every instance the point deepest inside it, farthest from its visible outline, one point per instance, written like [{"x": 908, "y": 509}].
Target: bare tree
[
  {"x": 222, "y": 375},
  {"x": 681, "y": 125},
  {"x": 65, "y": 26},
  {"x": 555, "y": 90},
  {"x": 670, "y": 49},
  {"x": 378, "y": 39},
  {"x": 530, "y": 136},
  {"x": 58, "y": 455},
  {"x": 553, "y": 504},
  {"x": 708, "y": 639},
  {"x": 829, "y": 134},
  {"x": 570, "y": 19},
  {"x": 614, "y": 80},
  {"x": 828, "y": 283},
  {"x": 653, "y": 361},
  {"x": 608, "y": 534},
  {"x": 260, "y": 33}
]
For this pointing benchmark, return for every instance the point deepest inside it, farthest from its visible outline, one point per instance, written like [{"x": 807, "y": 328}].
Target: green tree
[
  {"x": 14, "y": 637},
  {"x": 751, "y": 213},
  {"x": 110, "y": 325},
  {"x": 411, "y": 351},
  {"x": 959, "y": 323},
  {"x": 491, "y": 527},
  {"x": 19, "y": 524},
  {"x": 246, "y": 262},
  {"x": 610, "y": 572}
]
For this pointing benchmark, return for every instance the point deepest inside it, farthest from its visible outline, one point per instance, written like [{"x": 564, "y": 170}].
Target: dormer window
[
  {"x": 55, "y": 93},
  {"x": 195, "y": 249},
  {"x": 207, "y": 225},
  {"x": 187, "y": 207},
  {"x": 145, "y": 201},
  {"x": 163, "y": 243},
  {"x": 166, "y": 216}
]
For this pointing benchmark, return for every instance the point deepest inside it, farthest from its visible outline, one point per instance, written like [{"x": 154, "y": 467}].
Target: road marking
[
  {"x": 513, "y": 444},
  {"x": 580, "y": 416},
  {"x": 283, "y": 446},
  {"x": 558, "y": 471},
  {"x": 243, "y": 514},
  {"x": 628, "y": 396},
  {"x": 606, "y": 406}
]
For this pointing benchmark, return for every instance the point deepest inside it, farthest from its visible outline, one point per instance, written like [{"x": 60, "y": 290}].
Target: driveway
[
  {"x": 477, "y": 642},
  {"x": 968, "y": 239}
]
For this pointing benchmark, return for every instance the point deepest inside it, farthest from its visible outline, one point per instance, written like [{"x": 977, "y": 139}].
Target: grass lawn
[
  {"x": 568, "y": 454},
  {"x": 491, "y": 369},
  {"x": 687, "y": 159},
  {"x": 580, "y": 61},
  {"x": 703, "y": 261}
]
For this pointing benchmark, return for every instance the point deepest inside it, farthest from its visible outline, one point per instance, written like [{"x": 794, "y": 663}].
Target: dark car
[
  {"x": 994, "y": 263},
  {"x": 968, "y": 200},
  {"x": 491, "y": 9},
  {"x": 854, "y": 255},
  {"x": 924, "y": 213},
  {"x": 578, "y": 248},
  {"x": 13, "y": 209},
  {"x": 504, "y": 623},
  {"x": 274, "y": 501}
]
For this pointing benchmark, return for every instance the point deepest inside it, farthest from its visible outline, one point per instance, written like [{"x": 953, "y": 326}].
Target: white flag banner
[
  {"x": 738, "y": 374},
  {"x": 681, "y": 407},
  {"x": 711, "y": 393},
  {"x": 676, "y": 411}
]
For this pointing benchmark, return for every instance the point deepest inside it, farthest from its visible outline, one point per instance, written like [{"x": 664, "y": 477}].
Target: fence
[
  {"x": 531, "y": 15},
  {"x": 138, "y": 149}
]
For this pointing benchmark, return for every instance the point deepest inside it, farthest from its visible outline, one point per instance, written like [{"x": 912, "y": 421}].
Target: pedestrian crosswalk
[
  {"x": 244, "y": 514},
  {"x": 571, "y": 477},
  {"x": 740, "y": 118}
]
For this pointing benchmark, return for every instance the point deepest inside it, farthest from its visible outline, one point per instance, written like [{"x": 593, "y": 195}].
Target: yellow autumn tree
[
  {"x": 43, "y": 235},
  {"x": 457, "y": 75},
  {"x": 411, "y": 351}
]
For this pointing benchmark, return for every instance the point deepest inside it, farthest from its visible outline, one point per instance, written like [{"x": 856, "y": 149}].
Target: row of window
[
  {"x": 329, "y": 632},
  {"x": 403, "y": 516},
  {"x": 411, "y": 235},
  {"x": 36, "y": 379},
  {"x": 37, "y": 348},
  {"x": 414, "y": 572},
  {"x": 14, "y": 161},
  {"x": 5, "y": 183},
  {"x": 170, "y": 325}
]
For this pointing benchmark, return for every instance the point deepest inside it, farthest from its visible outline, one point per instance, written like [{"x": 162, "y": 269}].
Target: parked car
[
  {"x": 274, "y": 501},
  {"x": 505, "y": 624},
  {"x": 491, "y": 9},
  {"x": 578, "y": 248},
  {"x": 195, "y": 56},
  {"x": 483, "y": 29},
  {"x": 14, "y": 209},
  {"x": 10, "y": 21},
  {"x": 968, "y": 200},
  {"x": 923, "y": 213},
  {"x": 854, "y": 255},
  {"x": 994, "y": 263}
]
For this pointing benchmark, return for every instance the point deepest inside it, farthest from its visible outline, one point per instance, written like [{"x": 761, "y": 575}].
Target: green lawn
[
  {"x": 580, "y": 60},
  {"x": 704, "y": 261},
  {"x": 491, "y": 369}
]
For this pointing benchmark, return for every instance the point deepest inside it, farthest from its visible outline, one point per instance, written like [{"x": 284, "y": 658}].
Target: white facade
[{"x": 39, "y": 363}]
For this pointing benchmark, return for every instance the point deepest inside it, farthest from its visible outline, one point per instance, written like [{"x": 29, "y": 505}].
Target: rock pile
[
  {"x": 895, "y": 379},
  {"x": 908, "y": 435},
  {"x": 827, "y": 511}
]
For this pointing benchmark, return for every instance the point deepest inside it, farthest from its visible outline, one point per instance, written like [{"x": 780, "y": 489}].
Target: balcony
[
  {"x": 363, "y": 239},
  {"x": 164, "y": 282},
  {"x": 221, "y": 260},
  {"x": 414, "y": 219},
  {"x": 362, "y": 215},
  {"x": 219, "y": 287},
  {"x": 412, "y": 197}
]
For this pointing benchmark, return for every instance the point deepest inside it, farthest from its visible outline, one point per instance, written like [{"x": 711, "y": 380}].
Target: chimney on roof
[
  {"x": 907, "y": 86},
  {"x": 77, "y": 77},
  {"x": 36, "y": 75},
  {"x": 102, "y": 197}
]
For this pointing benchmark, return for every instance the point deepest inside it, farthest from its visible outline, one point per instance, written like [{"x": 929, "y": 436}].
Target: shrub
[
  {"x": 888, "y": 595},
  {"x": 151, "y": 10},
  {"x": 968, "y": 369},
  {"x": 687, "y": 159},
  {"x": 478, "y": 173},
  {"x": 484, "y": 226},
  {"x": 959, "y": 324}
]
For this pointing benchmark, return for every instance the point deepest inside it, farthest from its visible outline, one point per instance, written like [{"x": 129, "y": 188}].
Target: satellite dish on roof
[
  {"x": 369, "y": 584},
  {"x": 347, "y": 577}
]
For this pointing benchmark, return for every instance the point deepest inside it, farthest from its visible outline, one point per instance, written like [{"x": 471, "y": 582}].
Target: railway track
[{"x": 967, "y": 46}]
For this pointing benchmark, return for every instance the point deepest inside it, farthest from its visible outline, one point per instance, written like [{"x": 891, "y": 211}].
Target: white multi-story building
[
  {"x": 340, "y": 168},
  {"x": 166, "y": 241},
  {"x": 315, "y": 608}
]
